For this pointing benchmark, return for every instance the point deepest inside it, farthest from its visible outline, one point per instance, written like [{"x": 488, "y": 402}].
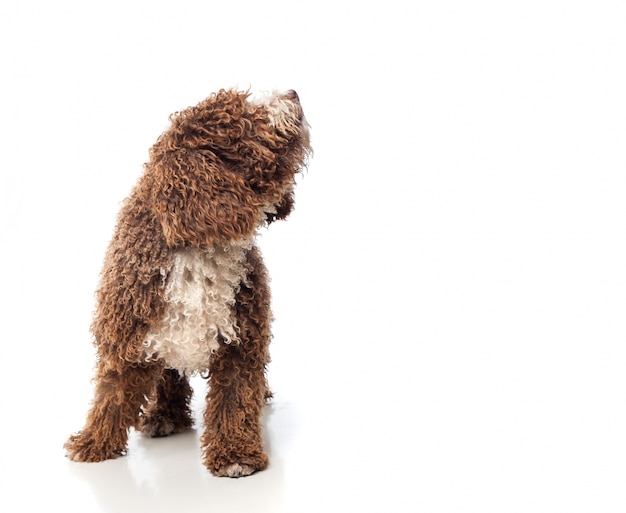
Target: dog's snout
[{"x": 292, "y": 95}]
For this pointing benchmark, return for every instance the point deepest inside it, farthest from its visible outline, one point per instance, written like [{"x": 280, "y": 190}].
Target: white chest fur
[{"x": 200, "y": 292}]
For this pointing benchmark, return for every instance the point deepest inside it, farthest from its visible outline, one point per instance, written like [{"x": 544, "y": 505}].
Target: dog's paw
[
  {"x": 236, "y": 467},
  {"x": 87, "y": 448},
  {"x": 236, "y": 470},
  {"x": 154, "y": 425}
]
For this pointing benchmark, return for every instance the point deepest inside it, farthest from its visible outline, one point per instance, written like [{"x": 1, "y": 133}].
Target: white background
[{"x": 449, "y": 293}]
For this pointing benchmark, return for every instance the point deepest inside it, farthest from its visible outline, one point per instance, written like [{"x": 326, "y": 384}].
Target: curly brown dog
[{"x": 184, "y": 289}]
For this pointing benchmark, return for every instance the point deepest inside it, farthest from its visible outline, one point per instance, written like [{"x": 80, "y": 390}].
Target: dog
[{"x": 184, "y": 289}]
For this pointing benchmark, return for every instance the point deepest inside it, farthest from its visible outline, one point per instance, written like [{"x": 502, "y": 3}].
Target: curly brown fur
[{"x": 183, "y": 287}]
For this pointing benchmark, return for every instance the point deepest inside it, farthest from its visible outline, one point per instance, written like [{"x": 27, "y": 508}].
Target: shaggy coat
[{"x": 184, "y": 288}]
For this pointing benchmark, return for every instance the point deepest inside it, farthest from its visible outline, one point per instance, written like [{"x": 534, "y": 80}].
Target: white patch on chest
[{"x": 200, "y": 291}]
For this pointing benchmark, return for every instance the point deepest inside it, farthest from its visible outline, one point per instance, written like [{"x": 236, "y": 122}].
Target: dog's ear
[{"x": 199, "y": 203}]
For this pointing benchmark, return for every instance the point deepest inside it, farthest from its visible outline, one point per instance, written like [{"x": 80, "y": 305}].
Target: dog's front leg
[
  {"x": 119, "y": 395},
  {"x": 232, "y": 441}
]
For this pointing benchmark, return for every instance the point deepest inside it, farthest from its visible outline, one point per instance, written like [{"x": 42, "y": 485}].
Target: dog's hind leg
[
  {"x": 168, "y": 411},
  {"x": 119, "y": 396},
  {"x": 232, "y": 442}
]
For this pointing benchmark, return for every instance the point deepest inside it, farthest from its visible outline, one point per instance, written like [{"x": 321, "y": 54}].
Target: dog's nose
[{"x": 292, "y": 95}]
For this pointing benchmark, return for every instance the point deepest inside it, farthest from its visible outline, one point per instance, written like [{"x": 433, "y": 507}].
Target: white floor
[{"x": 449, "y": 293}]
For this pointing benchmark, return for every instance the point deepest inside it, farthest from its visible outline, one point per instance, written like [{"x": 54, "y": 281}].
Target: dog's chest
[{"x": 200, "y": 291}]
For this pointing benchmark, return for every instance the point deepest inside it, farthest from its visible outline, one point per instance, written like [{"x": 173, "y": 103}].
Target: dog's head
[{"x": 226, "y": 166}]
